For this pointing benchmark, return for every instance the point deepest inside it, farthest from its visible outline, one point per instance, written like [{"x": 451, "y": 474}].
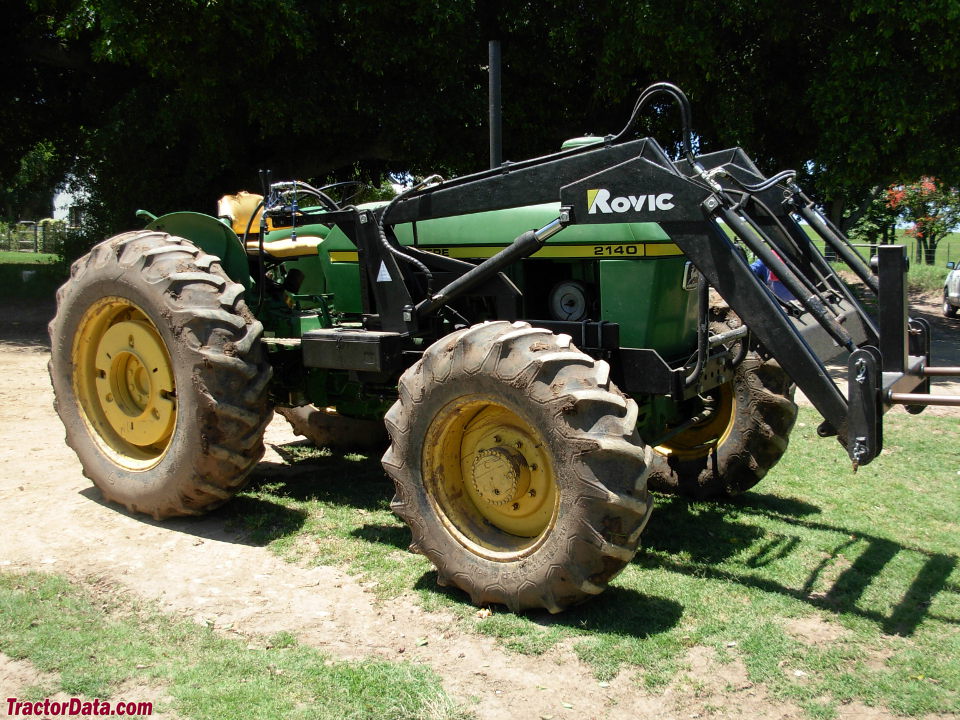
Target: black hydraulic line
[
  {"x": 788, "y": 261},
  {"x": 763, "y": 184},
  {"x": 804, "y": 208},
  {"x": 394, "y": 248},
  {"x": 812, "y": 303},
  {"x": 816, "y": 260},
  {"x": 300, "y": 186},
  {"x": 685, "y": 114},
  {"x": 261, "y": 270},
  {"x": 523, "y": 246},
  {"x": 345, "y": 183},
  {"x": 703, "y": 332},
  {"x": 741, "y": 352}
]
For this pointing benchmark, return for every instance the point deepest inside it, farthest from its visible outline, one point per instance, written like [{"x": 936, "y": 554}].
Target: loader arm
[{"x": 711, "y": 207}]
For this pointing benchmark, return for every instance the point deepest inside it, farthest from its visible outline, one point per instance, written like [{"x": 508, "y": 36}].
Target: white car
[{"x": 951, "y": 291}]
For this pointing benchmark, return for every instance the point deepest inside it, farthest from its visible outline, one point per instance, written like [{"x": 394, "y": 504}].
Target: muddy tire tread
[{"x": 208, "y": 320}]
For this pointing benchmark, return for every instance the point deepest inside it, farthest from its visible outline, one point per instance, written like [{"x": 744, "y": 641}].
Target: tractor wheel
[
  {"x": 324, "y": 427},
  {"x": 517, "y": 467},
  {"x": 158, "y": 375},
  {"x": 746, "y": 435},
  {"x": 948, "y": 309}
]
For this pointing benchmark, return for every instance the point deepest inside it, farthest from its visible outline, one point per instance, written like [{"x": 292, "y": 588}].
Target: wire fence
[
  {"x": 45, "y": 236},
  {"x": 947, "y": 250}
]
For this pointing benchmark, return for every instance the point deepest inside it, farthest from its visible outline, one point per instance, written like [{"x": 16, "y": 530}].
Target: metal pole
[
  {"x": 919, "y": 399},
  {"x": 496, "y": 110}
]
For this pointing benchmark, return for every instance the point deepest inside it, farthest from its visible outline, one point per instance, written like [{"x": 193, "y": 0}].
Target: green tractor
[{"x": 544, "y": 342}]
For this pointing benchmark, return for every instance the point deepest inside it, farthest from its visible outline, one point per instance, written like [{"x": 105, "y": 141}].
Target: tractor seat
[{"x": 287, "y": 249}]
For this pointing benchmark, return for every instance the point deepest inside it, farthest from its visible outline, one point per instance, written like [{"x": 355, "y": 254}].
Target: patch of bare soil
[{"x": 55, "y": 521}]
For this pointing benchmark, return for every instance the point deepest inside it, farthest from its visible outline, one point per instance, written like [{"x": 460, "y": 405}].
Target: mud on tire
[
  {"x": 517, "y": 467},
  {"x": 158, "y": 375}
]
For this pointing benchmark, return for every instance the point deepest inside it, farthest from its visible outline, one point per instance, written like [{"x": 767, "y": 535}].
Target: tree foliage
[
  {"x": 169, "y": 104},
  {"x": 878, "y": 222},
  {"x": 932, "y": 207}
]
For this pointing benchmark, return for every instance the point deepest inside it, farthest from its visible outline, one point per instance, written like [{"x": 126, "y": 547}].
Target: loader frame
[{"x": 707, "y": 205}]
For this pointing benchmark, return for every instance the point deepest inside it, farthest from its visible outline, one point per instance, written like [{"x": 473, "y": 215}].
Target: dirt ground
[{"x": 55, "y": 521}]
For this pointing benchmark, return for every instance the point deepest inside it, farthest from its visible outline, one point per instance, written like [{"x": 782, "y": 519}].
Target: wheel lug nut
[
  {"x": 533, "y": 467},
  {"x": 516, "y": 506},
  {"x": 533, "y": 493},
  {"x": 497, "y": 439}
]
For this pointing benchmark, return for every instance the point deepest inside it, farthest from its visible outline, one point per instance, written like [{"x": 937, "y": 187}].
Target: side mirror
[{"x": 951, "y": 265}]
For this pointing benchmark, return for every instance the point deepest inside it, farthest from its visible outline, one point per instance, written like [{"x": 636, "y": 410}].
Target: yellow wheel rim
[
  {"x": 490, "y": 478},
  {"x": 700, "y": 439},
  {"x": 123, "y": 382}
]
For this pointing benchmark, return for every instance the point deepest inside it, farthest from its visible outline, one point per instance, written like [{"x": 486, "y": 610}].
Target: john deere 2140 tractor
[{"x": 544, "y": 342}]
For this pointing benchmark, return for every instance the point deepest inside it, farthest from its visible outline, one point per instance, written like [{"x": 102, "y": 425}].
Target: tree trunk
[{"x": 930, "y": 253}]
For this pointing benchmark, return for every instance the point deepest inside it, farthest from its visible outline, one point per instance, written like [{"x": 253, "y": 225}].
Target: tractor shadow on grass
[
  {"x": 244, "y": 520},
  {"x": 618, "y": 610},
  {"x": 263, "y": 511},
  {"x": 741, "y": 541}
]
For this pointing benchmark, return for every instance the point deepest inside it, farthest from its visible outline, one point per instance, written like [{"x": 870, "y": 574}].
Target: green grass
[
  {"x": 99, "y": 643},
  {"x": 10, "y": 257},
  {"x": 30, "y": 275},
  {"x": 872, "y": 557}
]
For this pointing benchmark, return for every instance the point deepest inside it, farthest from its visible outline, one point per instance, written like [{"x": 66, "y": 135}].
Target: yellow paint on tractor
[
  {"x": 124, "y": 384},
  {"x": 713, "y": 432},
  {"x": 491, "y": 478},
  {"x": 619, "y": 251}
]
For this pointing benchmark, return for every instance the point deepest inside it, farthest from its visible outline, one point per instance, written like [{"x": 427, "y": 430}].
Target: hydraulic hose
[
  {"x": 703, "y": 332},
  {"x": 298, "y": 185},
  {"x": 685, "y": 114},
  {"x": 396, "y": 251},
  {"x": 261, "y": 270}
]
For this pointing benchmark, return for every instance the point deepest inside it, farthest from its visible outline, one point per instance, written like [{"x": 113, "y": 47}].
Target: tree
[
  {"x": 28, "y": 195},
  {"x": 932, "y": 207},
  {"x": 167, "y": 104},
  {"x": 878, "y": 223}
]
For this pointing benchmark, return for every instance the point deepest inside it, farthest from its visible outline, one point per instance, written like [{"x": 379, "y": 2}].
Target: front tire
[
  {"x": 949, "y": 310},
  {"x": 517, "y": 467},
  {"x": 158, "y": 375}
]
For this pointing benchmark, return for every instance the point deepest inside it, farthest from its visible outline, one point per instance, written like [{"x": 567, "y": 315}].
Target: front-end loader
[{"x": 544, "y": 342}]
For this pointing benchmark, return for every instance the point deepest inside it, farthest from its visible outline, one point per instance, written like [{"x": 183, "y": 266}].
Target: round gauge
[{"x": 568, "y": 301}]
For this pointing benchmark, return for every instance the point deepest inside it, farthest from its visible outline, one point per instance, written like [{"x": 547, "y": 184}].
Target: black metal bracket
[{"x": 865, "y": 421}]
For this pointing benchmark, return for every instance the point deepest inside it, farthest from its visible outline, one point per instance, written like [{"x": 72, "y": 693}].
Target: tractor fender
[{"x": 210, "y": 235}]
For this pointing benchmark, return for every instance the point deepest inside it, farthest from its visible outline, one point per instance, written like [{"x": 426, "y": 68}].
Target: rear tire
[
  {"x": 748, "y": 434},
  {"x": 517, "y": 467},
  {"x": 158, "y": 375}
]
